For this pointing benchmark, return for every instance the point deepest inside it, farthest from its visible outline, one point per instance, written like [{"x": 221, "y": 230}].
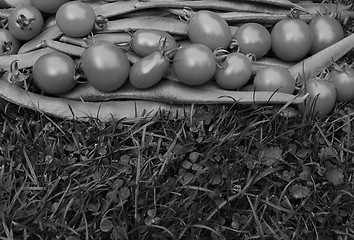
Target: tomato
[
  {"x": 75, "y": 19},
  {"x": 194, "y": 64},
  {"x": 149, "y": 70},
  {"x": 321, "y": 98},
  {"x": 145, "y": 41},
  {"x": 209, "y": 28},
  {"x": 54, "y": 73},
  {"x": 291, "y": 39},
  {"x": 8, "y": 43},
  {"x": 325, "y": 31},
  {"x": 343, "y": 80},
  {"x": 105, "y": 66},
  {"x": 253, "y": 38},
  {"x": 48, "y": 6},
  {"x": 25, "y": 22},
  {"x": 234, "y": 72},
  {"x": 273, "y": 79}
]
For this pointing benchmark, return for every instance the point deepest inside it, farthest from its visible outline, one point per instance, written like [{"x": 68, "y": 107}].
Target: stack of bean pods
[{"x": 167, "y": 52}]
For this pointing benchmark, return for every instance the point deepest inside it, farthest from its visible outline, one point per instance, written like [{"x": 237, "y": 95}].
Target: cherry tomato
[
  {"x": 75, "y": 19},
  {"x": 25, "y": 22},
  {"x": 48, "y": 6},
  {"x": 194, "y": 64},
  {"x": 253, "y": 38},
  {"x": 149, "y": 70},
  {"x": 8, "y": 43},
  {"x": 209, "y": 28},
  {"x": 273, "y": 79},
  {"x": 343, "y": 80},
  {"x": 145, "y": 41},
  {"x": 105, "y": 66},
  {"x": 234, "y": 72},
  {"x": 325, "y": 31},
  {"x": 321, "y": 98},
  {"x": 291, "y": 39},
  {"x": 54, "y": 73}
]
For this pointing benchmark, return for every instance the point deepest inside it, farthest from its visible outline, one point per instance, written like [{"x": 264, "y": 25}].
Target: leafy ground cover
[{"x": 228, "y": 172}]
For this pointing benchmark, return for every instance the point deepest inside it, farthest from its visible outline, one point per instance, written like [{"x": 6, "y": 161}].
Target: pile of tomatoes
[{"x": 212, "y": 52}]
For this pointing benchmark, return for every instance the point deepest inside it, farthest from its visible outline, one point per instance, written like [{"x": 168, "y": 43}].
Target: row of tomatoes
[{"x": 210, "y": 55}]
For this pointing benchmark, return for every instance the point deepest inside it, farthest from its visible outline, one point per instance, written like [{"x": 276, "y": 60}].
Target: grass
[{"x": 228, "y": 172}]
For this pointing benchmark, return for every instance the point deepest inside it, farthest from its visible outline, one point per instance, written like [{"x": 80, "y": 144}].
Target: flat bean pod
[
  {"x": 170, "y": 25},
  {"x": 278, "y": 3},
  {"x": 262, "y": 18},
  {"x": 314, "y": 64},
  {"x": 5, "y": 12},
  {"x": 126, "y": 111},
  {"x": 314, "y": 8},
  {"x": 115, "y": 8},
  {"x": 266, "y": 62},
  {"x": 116, "y": 38},
  {"x": 25, "y": 60},
  {"x": 13, "y": 3},
  {"x": 51, "y": 33},
  {"x": 146, "y": 12},
  {"x": 229, "y": 6},
  {"x": 173, "y": 92},
  {"x": 69, "y": 49}
]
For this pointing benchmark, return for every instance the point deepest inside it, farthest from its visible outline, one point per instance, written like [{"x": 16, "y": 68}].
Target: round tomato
[
  {"x": 325, "y": 31},
  {"x": 234, "y": 72},
  {"x": 291, "y": 39},
  {"x": 48, "y": 6},
  {"x": 273, "y": 79},
  {"x": 75, "y": 19},
  {"x": 343, "y": 80},
  {"x": 194, "y": 64},
  {"x": 8, "y": 43},
  {"x": 25, "y": 22},
  {"x": 149, "y": 70},
  {"x": 253, "y": 38},
  {"x": 321, "y": 98},
  {"x": 54, "y": 73},
  {"x": 146, "y": 41},
  {"x": 105, "y": 66},
  {"x": 209, "y": 28}
]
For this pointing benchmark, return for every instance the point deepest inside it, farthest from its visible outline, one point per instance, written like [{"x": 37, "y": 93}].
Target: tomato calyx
[
  {"x": 344, "y": 67},
  {"x": 168, "y": 53},
  {"x": 101, "y": 22},
  {"x": 234, "y": 46},
  {"x": 16, "y": 76},
  {"x": 220, "y": 55},
  {"x": 6, "y": 47},
  {"x": 186, "y": 14},
  {"x": 24, "y": 22},
  {"x": 128, "y": 45},
  {"x": 3, "y": 23},
  {"x": 79, "y": 76},
  {"x": 294, "y": 13}
]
